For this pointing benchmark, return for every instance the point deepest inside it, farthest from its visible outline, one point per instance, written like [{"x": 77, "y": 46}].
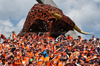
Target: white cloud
[
  {"x": 20, "y": 25},
  {"x": 6, "y": 27},
  {"x": 97, "y": 0},
  {"x": 15, "y": 9},
  {"x": 21, "y": 22},
  {"x": 6, "y": 23}
]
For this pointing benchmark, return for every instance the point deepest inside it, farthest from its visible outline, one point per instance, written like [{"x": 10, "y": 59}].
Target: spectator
[
  {"x": 13, "y": 35},
  {"x": 80, "y": 38},
  {"x": 69, "y": 37}
]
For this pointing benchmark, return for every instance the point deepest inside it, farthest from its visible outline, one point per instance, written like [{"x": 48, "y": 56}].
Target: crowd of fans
[{"x": 42, "y": 50}]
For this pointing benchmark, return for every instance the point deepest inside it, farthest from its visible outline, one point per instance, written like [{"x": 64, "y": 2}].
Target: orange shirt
[
  {"x": 43, "y": 49},
  {"x": 55, "y": 60},
  {"x": 17, "y": 62},
  {"x": 37, "y": 56},
  {"x": 70, "y": 38},
  {"x": 41, "y": 61},
  {"x": 31, "y": 54},
  {"x": 60, "y": 63},
  {"x": 49, "y": 64},
  {"x": 24, "y": 61},
  {"x": 28, "y": 53},
  {"x": 14, "y": 36}
]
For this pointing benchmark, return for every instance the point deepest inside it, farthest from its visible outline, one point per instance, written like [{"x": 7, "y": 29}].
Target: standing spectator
[
  {"x": 80, "y": 38},
  {"x": 13, "y": 35},
  {"x": 69, "y": 37},
  {"x": 92, "y": 38}
]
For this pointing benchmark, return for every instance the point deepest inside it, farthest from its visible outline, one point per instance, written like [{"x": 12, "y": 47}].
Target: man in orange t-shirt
[
  {"x": 41, "y": 60},
  {"x": 69, "y": 37},
  {"x": 13, "y": 35}
]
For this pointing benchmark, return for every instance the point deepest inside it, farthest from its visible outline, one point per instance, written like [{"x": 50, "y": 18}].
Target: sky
[{"x": 85, "y": 14}]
